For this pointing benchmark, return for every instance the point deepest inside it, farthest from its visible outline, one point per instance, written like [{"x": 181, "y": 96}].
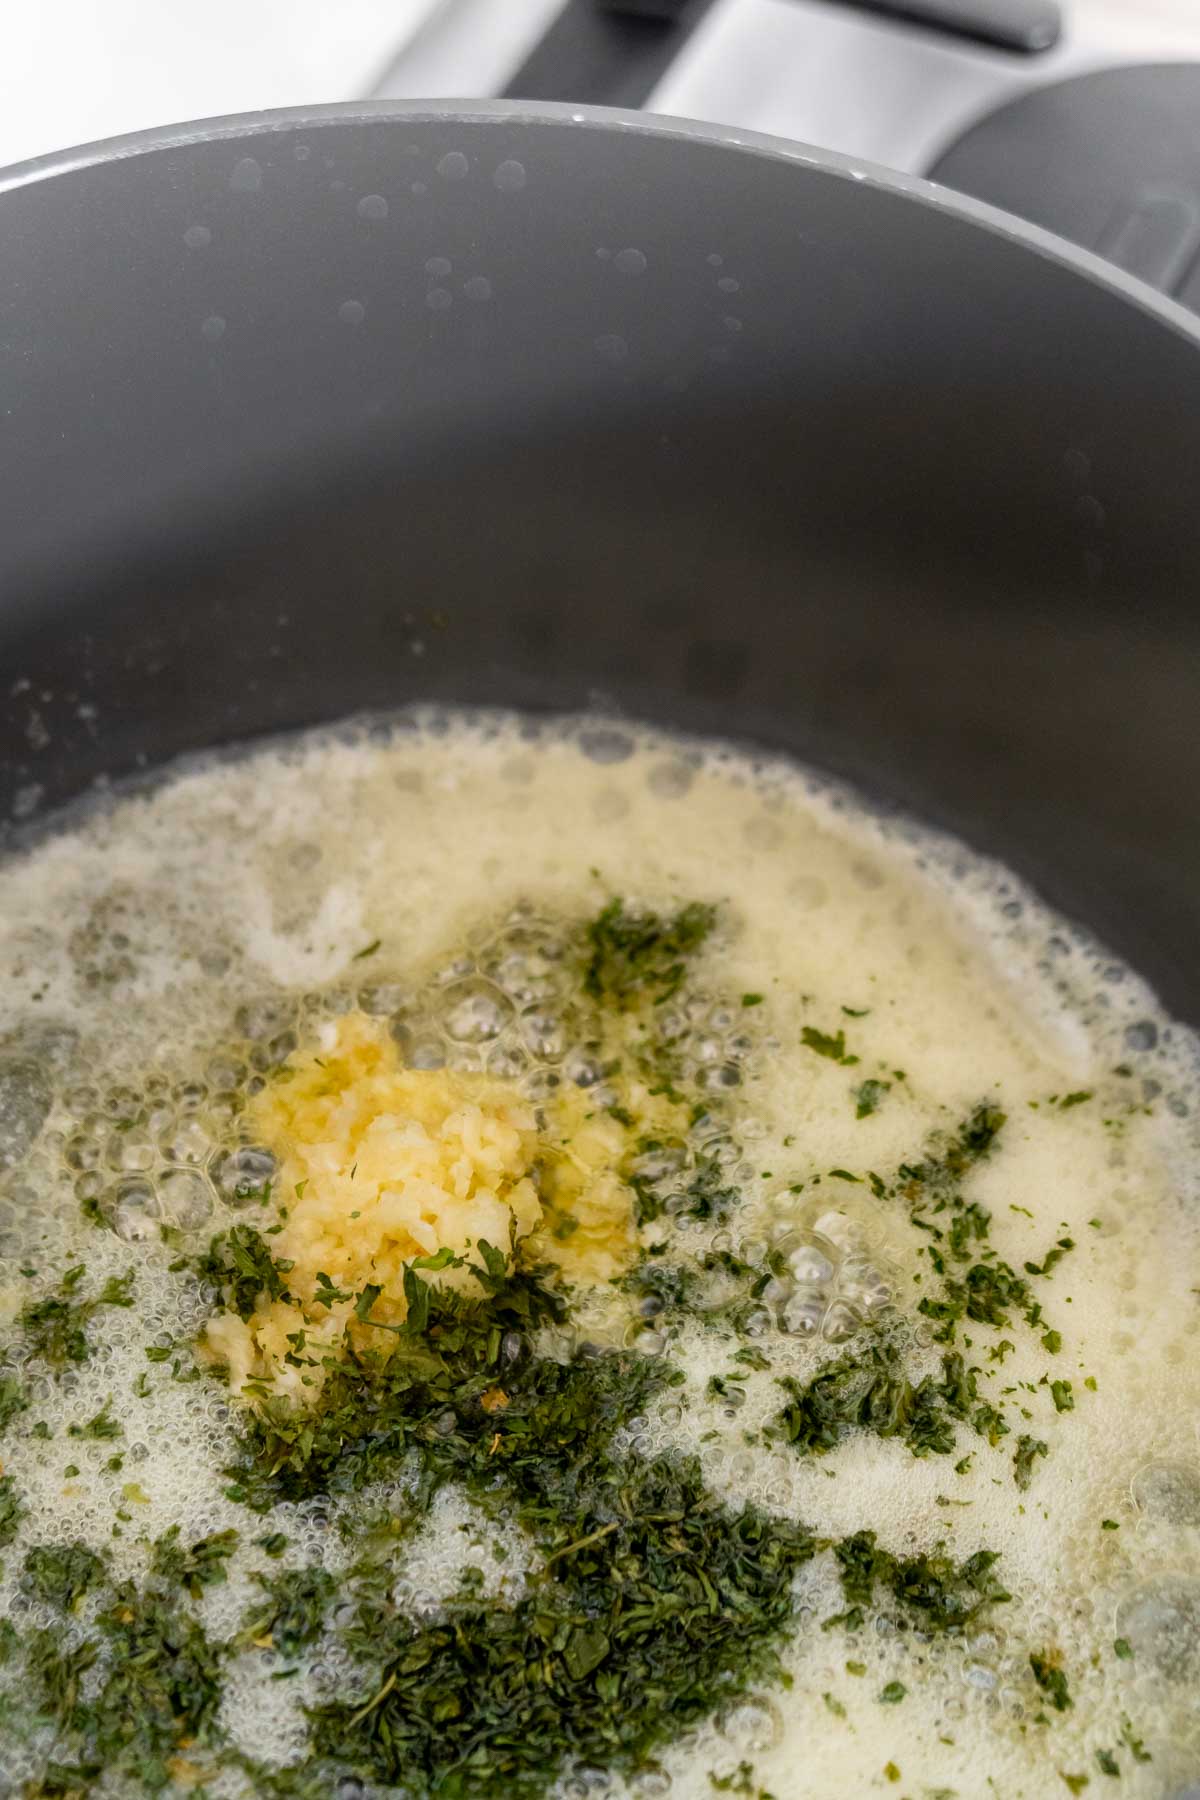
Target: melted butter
[{"x": 142, "y": 930}]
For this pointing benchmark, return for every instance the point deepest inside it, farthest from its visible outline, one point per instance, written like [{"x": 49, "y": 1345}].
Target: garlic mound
[{"x": 382, "y": 1166}]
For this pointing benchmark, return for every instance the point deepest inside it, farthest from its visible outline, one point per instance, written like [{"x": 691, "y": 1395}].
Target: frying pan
[{"x": 313, "y": 413}]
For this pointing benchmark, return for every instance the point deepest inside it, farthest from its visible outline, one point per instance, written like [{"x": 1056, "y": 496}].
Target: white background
[{"x": 73, "y": 70}]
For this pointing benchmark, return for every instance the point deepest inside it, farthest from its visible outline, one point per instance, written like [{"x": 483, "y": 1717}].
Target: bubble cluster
[
  {"x": 509, "y": 1005},
  {"x": 1161, "y": 1620},
  {"x": 162, "y": 1157},
  {"x": 710, "y": 1040},
  {"x": 833, "y": 1278},
  {"x": 500, "y": 1008},
  {"x": 1168, "y": 1492}
]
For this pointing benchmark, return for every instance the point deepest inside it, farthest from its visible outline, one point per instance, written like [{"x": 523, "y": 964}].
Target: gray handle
[{"x": 615, "y": 52}]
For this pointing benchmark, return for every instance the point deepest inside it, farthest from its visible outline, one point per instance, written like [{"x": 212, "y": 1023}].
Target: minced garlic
[{"x": 382, "y": 1165}]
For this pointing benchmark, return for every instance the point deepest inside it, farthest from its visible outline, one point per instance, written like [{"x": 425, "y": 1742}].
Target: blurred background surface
[{"x": 895, "y": 92}]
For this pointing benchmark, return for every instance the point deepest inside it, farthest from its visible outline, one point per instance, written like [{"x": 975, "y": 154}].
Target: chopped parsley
[
  {"x": 196, "y": 1566},
  {"x": 61, "y": 1574},
  {"x": 1134, "y": 1743},
  {"x": 55, "y": 1327},
  {"x": 12, "y": 1400},
  {"x": 869, "y": 1097},
  {"x": 931, "y": 1593},
  {"x": 239, "y": 1262},
  {"x": 870, "y": 1390},
  {"x": 327, "y": 1293},
  {"x": 824, "y": 1043},
  {"x": 634, "y": 956},
  {"x": 1027, "y": 1451},
  {"x": 294, "y": 1609},
  {"x": 1051, "y": 1680},
  {"x": 99, "y": 1427},
  {"x": 12, "y": 1511}
]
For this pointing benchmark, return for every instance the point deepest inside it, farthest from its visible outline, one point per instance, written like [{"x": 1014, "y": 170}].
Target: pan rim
[{"x": 235, "y": 127}]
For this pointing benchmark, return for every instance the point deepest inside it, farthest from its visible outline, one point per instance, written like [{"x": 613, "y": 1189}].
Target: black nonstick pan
[{"x": 315, "y": 412}]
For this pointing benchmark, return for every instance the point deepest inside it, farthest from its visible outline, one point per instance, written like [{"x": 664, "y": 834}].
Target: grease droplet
[
  {"x": 509, "y": 175},
  {"x": 197, "y": 237},
  {"x": 372, "y": 206},
  {"x": 247, "y": 176},
  {"x": 630, "y": 262},
  {"x": 213, "y": 328},
  {"x": 453, "y": 166},
  {"x": 25, "y": 1098},
  {"x": 1169, "y": 1491},
  {"x": 352, "y": 312}
]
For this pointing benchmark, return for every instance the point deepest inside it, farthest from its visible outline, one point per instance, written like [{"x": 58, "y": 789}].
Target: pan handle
[{"x": 615, "y": 52}]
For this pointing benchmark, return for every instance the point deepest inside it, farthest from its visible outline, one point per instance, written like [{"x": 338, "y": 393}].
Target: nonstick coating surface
[{"x": 320, "y": 412}]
